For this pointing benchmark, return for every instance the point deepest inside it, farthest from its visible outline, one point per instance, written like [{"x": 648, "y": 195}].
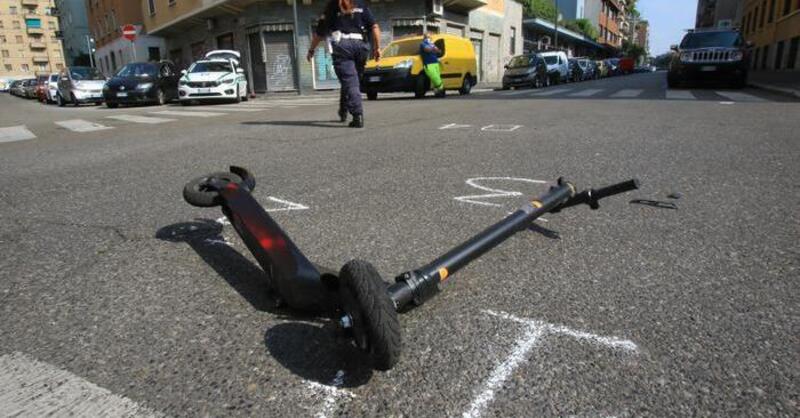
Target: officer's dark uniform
[{"x": 350, "y": 51}]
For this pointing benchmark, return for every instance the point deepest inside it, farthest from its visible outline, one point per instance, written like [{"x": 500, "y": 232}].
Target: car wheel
[
  {"x": 421, "y": 87},
  {"x": 466, "y": 86},
  {"x": 238, "y": 98},
  {"x": 74, "y": 100},
  {"x": 372, "y": 95},
  {"x": 112, "y": 105},
  {"x": 59, "y": 100}
]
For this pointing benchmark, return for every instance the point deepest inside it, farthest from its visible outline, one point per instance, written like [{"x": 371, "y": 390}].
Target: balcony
[
  {"x": 35, "y": 31},
  {"x": 30, "y": 3},
  {"x": 464, "y": 6},
  {"x": 41, "y": 59},
  {"x": 38, "y": 45}
]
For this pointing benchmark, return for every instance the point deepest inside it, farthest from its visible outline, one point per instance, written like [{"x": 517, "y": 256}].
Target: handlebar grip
[{"x": 625, "y": 186}]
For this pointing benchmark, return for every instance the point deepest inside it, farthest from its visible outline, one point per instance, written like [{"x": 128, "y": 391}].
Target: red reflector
[{"x": 266, "y": 243}]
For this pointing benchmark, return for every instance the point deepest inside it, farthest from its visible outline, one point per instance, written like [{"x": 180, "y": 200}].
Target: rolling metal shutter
[
  {"x": 492, "y": 72},
  {"x": 455, "y": 30},
  {"x": 477, "y": 44},
  {"x": 279, "y": 48}
]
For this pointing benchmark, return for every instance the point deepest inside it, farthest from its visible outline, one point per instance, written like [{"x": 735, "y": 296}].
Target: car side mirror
[
  {"x": 240, "y": 71},
  {"x": 184, "y": 72}
]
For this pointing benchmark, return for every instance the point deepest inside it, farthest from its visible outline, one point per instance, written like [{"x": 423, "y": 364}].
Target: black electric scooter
[{"x": 364, "y": 306}]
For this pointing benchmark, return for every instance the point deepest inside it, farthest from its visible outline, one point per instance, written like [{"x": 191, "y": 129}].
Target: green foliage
[
  {"x": 583, "y": 26},
  {"x": 543, "y": 9},
  {"x": 630, "y": 49}
]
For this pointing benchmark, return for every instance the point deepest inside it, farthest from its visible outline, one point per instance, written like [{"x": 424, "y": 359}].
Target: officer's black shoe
[
  {"x": 342, "y": 115},
  {"x": 358, "y": 121}
]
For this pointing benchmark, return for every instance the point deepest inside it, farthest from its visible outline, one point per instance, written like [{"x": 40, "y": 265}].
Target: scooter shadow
[
  {"x": 315, "y": 353},
  {"x": 205, "y": 238}
]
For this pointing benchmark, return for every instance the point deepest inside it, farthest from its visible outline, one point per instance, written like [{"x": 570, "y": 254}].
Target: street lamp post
[
  {"x": 555, "y": 42},
  {"x": 90, "y": 44}
]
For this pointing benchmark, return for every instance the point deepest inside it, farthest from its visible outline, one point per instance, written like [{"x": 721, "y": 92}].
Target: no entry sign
[{"x": 129, "y": 32}]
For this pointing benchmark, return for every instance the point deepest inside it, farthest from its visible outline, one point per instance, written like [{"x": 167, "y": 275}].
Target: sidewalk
[{"x": 782, "y": 82}]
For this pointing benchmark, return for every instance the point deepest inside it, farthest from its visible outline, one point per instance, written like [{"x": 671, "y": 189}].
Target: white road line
[
  {"x": 227, "y": 108},
  {"x": 516, "y": 92},
  {"x": 140, "y": 119},
  {"x": 628, "y": 93},
  {"x": 534, "y": 334},
  {"x": 288, "y": 205},
  {"x": 333, "y": 393},
  {"x": 33, "y": 388},
  {"x": 199, "y": 114},
  {"x": 15, "y": 133},
  {"x": 551, "y": 92},
  {"x": 740, "y": 97},
  {"x": 586, "y": 93},
  {"x": 80, "y": 125},
  {"x": 680, "y": 95}
]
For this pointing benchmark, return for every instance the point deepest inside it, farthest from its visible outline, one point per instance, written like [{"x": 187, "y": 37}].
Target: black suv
[{"x": 715, "y": 56}]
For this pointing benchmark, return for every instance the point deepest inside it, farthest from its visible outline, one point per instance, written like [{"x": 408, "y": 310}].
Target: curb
[{"x": 775, "y": 89}]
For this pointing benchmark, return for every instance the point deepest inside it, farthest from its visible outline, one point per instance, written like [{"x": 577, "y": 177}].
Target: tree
[
  {"x": 583, "y": 26},
  {"x": 543, "y": 9},
  {"x": 632, "y": 50}
]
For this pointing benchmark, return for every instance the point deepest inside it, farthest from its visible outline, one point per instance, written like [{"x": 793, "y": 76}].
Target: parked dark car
[
  {"x": 29, "y": 88},
  {"x": 79, "y": 85},
  {"x": 527, "y": 70},
  {"x": 613, "y": 67},
  {"x": 576, "y": 71},
  {"x": 710, "y": 56},
  {"x": 14, "y": 87},
  {"x": 142, "y": 83}
]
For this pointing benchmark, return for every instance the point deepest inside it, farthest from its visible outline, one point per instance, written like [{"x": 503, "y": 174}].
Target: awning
[
  {"x": 547, "y": 26},
  {"x": 269, "y": 27}
]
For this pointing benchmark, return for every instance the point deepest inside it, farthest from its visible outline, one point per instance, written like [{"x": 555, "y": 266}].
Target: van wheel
[
  {"x": 466, "y": 86},
  {"x": 422, "y": 86}
]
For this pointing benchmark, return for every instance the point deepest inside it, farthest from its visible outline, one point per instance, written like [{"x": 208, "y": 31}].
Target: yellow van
[{"x": 400, "y": 68}]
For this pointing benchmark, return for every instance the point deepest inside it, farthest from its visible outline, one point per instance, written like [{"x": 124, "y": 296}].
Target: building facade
[
  {"x": 74, "y": 31},
  {"x": 718, "y": 13},
  {"x": 106, "y": 19},
  {"x": 29, "y": 39},
  {"x": 540, "y": 37},
  {"x": 773, "y": 26},
  {"x": 270, "y": 37}
]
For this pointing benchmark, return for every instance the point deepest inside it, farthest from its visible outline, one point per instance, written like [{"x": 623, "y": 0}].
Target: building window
[
  {"x": 51, "y": 25},
  {"x": 151, "y": 7},
  {"x": 12, "y": 10},
  {"x": 513, "y": 42},
  {"x": 59, "y": 67},
  {"x": 18, "y": 39},
  {"x": 25, "y": 68},
  {"x": 4, "y": 53},
  {"x": 779, "y": 55},
  {"x": 764, "y": 57},
  {"x": 763, "y": 14},
  {"x": 171, "y": 2},
  {"x": 9, "y": 67},
  {"x": 771, "y": 11},
  {"x": 33, "y": 23},
  {"x": 787, "y": 6},
  {"x": 2, "y": 39},
  {"x": 42, "y": 67},
  {"x": 793, "y": 47},
  {"x": 154, "y": 54}
]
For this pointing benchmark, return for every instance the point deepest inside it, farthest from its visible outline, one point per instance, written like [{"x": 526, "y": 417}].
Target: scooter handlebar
[{"x": 625, "y": 186}]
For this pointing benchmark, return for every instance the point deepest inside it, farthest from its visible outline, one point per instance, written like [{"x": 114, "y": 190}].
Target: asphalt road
[{"x": 631, "y": 310}]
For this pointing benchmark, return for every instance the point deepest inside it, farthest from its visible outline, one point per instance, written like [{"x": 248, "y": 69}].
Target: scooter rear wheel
[
  {"x": 375, "y": 326},
  {"x": 199, "y": 193}
]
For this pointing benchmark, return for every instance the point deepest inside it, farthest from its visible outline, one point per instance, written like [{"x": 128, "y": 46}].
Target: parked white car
[
  {"x": 557, "y": 65},
  {"x": 216, "y": 77},
  {"x": 52, "y": 88}
]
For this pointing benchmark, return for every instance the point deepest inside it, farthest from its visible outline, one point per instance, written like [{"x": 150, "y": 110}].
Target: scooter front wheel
[
  {"x": 367, "y": 304},
  {"x": 200, "y": 193}
]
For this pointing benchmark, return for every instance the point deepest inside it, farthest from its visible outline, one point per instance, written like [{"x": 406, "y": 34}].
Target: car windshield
[
  {"x": 402, "y": 49},
  {"x": 711, "y": 39},
  {"x": 211, "y": 67},
  {"x": 138, "y": 70},
  {"x": 54, "y": 77},
  {"x": 551, "y": 59},
  {"x": 520, "y": 61},
  {"x": 85, "y": 73}
]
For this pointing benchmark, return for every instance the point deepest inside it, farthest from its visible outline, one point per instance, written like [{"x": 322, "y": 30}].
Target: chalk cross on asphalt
[{"x": 454, "y": 126}]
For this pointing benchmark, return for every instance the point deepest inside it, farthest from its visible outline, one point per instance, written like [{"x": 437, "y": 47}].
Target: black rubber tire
[
  {"x": 74, "y": 100},
  {"x": 466, "y": 86},
  {"x": 185, "y": 103},
  {"x": 422, "y": 86},
  {"x": 195, "y": 195},
  {"x": 60, "y": 100},
  {"x": 238, "y": 98},
  {"x": 375, "y": 324},
  {"x": 372, "y": 95},
  {"x": 112, "y": 105}
]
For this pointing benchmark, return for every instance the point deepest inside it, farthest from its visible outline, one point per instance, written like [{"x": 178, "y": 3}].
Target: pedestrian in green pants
[{"x": 430, "y": 62}]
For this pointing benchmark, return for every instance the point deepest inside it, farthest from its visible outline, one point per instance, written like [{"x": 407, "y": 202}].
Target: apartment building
[
  {"x": 269, "y": 35},
  {"x": 718, "y": 13},
  {"x": 74, "y": 31},
  {"x": 608, "y": 16},
  {"x": 106, "y": 19},
  {"x": 29, "y": 39},
  {"x": 773, "y": 26}
]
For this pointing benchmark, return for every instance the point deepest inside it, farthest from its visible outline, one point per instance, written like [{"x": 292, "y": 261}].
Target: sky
[{"x": 669, "y": 20}]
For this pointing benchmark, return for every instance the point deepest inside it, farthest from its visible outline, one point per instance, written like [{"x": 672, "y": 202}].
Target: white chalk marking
[
  {"x": 503, "y": 371},
  {"x": 727, "y": 103},
  {"x": 501, "y": 128},
  {"x": 586, "y": 93},
  {"x": 680, "y": 95},
  {"x": 740, "y": 97},
  {"x": 493, "y": 193},
  {"x": 627, "y": 93},
  {"x": 80, "y": 125},
  {"x": 15, "y": 133},
  {"x": 140, "y": 119},
  {"x": 454, "y": 126},
  {"x": 289, "y": 205},
  {"x": 32, "y": 388},
  {"x": 187, "y": 113},
  {"x": 551, "y": 92},
  {"x": 534, "y": 333},
  {"x": 223, "y": 221},
  {"x": 332, "y": 392}
]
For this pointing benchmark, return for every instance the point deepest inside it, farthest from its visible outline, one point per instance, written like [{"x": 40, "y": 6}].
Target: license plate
[
  {"x": 374, "y": 79},
  {"x": 122, "y": 94},
  {"x": 708, "y": 68},
  {"x": 204, "y": 91}
]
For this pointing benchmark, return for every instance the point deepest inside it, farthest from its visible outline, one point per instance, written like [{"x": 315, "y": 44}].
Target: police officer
[{"x": 346, "y": 22}]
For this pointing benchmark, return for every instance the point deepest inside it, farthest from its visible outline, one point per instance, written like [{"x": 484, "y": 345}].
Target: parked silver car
[{"x": 78, "y": 85}]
